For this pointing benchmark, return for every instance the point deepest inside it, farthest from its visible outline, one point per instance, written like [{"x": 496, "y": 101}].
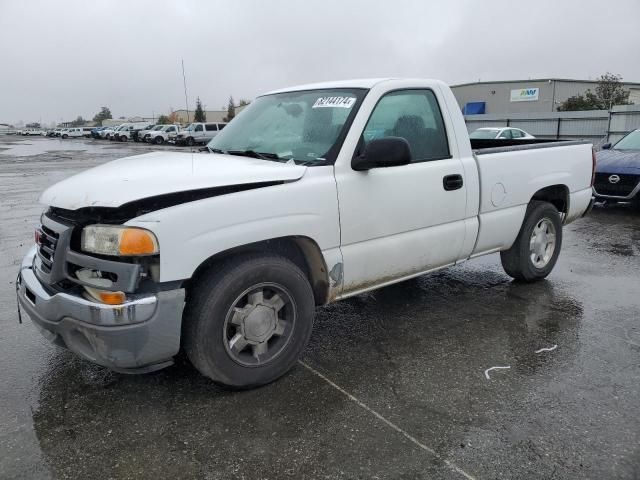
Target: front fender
[{"x": 190, "y": 233}]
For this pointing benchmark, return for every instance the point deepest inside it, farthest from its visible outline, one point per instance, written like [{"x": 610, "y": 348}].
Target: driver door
[{"x": 401, "y": 221}]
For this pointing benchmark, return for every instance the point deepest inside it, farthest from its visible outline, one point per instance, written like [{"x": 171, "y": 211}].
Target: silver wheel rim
[
  {"x": 259, "y": 324},
  {"x": 542, "y": 243}
]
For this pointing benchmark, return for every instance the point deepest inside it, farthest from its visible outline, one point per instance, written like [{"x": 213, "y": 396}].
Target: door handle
[{"x": 452, "y": 182}]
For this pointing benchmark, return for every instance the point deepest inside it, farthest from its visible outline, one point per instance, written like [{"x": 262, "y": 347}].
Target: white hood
[{"x": 133, "y": 178}]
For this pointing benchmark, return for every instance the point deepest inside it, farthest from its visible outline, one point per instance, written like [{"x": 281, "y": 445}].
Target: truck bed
[{"x": 493, "y": 145}]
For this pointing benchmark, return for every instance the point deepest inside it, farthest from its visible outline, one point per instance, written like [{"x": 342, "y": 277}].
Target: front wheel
[
  {"x": 190, "y": 142},
  {"x": 248, "y": 320},
  {"x": 124, "y": 138},
  {"x": 64, "y": 136},
  {"x": 537, "y": 246},
  {"x": 159, "y": 141}
]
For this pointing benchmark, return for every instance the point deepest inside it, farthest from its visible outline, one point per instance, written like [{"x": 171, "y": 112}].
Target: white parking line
[{"x": 409, "y": 437}]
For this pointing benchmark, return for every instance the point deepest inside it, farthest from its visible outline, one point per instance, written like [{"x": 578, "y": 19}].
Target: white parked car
[
  {"x": 502, "y": 133},
  {"x": 125, "y": 131},
  {"x": 144, "y": 135},
  {"x": 108, "y": 132},
  {"x": 199, "y": 133},
  {"x": 32, "y": 131},
  {"x": 139, "y": 132},
  {"x": 163, "y": 134},
  {"x": 74, "y": 132},
  {"x": 313, "y": 194}
]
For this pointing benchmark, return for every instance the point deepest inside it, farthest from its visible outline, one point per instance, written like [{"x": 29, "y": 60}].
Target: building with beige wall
[{"x": 526, "y": 96}]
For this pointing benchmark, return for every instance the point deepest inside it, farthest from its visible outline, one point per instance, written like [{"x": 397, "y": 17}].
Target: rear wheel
[
  {"x": 248, "y": 320},
  {"x": 64, "y": 136},
  {"x": 537, "y": 246},
  {"x": 190, "y": 142}
]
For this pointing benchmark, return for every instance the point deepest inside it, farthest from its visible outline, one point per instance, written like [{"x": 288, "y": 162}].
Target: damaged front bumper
[{"x": 141, "y": 335}]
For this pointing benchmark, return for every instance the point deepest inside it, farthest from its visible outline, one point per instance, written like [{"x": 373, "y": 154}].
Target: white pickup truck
[
  {"x": 162, "y": 135},
  {"x": 198, "y": 133},
  {"x": 310, "y": 195}
]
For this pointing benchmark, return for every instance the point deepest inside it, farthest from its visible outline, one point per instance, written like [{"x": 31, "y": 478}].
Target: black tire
[
  {"x": 190, "y": 142},
  {"x": 64, "y": 136},
  {"x": 518, "y": 261},
  {"x": 158, "y": 140},
  {"x": 211, "y": 303},
  {"x": 124, "y": 138}
]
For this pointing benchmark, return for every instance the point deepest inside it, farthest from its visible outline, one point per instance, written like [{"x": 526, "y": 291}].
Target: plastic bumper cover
[{"x": 140, "y": 335}]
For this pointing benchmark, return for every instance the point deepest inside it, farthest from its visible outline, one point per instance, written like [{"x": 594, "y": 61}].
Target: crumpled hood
[
  {"x": 618, "y": 161},
  {"x": 134, "y": 178}
]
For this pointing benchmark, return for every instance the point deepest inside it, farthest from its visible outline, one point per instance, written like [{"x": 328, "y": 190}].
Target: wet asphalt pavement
[{"x": 392, "y": 384}]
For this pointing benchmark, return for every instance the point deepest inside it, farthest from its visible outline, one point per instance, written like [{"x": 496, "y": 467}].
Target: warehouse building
[
  {"x": 212, "y": 115},
  {"x": 526, "y": 96}
]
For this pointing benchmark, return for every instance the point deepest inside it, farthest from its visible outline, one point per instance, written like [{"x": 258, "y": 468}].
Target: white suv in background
[
  {"x": 138, "y": 133},
  {"x": 124, "y": 132},
  {"x": 198, "y": 133},
  {"x": 144, "y": 135},
  {"x": 161, "y": 136},
  {"x": 72, "y": 132},
  {"x": 107, "y": 132}
]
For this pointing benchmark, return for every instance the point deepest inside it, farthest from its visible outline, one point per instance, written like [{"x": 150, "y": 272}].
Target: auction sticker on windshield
[{"x": 334, "y": 102}]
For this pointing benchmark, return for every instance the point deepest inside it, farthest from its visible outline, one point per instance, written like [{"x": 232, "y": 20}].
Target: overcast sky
[{"x": 60, "y": 59}]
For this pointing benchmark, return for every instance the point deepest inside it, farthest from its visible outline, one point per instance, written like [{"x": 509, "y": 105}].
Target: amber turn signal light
[
  {"x": 112, "y": 298},
  {"x": 135, "y": 241}
]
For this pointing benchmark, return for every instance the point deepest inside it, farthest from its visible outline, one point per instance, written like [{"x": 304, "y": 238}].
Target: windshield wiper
[
  {"x": 254, "y": 154},
  {"x": 317, "y": 162}
]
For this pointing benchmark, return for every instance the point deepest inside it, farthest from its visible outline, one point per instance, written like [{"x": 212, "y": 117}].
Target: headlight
[{"x": 118, "y": 240}]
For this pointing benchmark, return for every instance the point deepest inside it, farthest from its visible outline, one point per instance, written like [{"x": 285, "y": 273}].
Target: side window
[
  {"x": 516, "y": 133},
  {"x": 210, "y": 127},
  {"x": 415, "y": 116},
  {"x": 198, "y": 128},
  {"x": 221, "y": 126},
  {"x": 506, "y": 134}
]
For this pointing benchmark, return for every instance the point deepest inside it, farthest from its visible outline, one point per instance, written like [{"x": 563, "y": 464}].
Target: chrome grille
[
  {"x": 47, "y": 243},
  {"x": 52, "y": 238}
]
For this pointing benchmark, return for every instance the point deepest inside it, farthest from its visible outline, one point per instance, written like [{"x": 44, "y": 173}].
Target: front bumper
[{"x": 139, "y": 336}]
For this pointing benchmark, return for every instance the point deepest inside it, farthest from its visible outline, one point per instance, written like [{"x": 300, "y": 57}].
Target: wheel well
[
  {"x": 557, "y": 195},
  {"x": 302, "y": 251}
]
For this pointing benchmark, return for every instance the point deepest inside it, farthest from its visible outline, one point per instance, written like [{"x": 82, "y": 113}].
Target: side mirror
[
  {"x": 383, "y": 152},
  {"x": 606, "y": 146}
]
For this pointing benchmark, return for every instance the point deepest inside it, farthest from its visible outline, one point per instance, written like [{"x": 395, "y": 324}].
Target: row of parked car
[
  {"x": 195, "y": 133},
  {"x": 28, "y": 132}
]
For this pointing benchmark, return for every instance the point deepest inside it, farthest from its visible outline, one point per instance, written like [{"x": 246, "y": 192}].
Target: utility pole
[{"x": 186, "y": 101}]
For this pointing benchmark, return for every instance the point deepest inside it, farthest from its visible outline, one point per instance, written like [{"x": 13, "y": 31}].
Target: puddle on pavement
[{"x": 27, "y": 148}]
